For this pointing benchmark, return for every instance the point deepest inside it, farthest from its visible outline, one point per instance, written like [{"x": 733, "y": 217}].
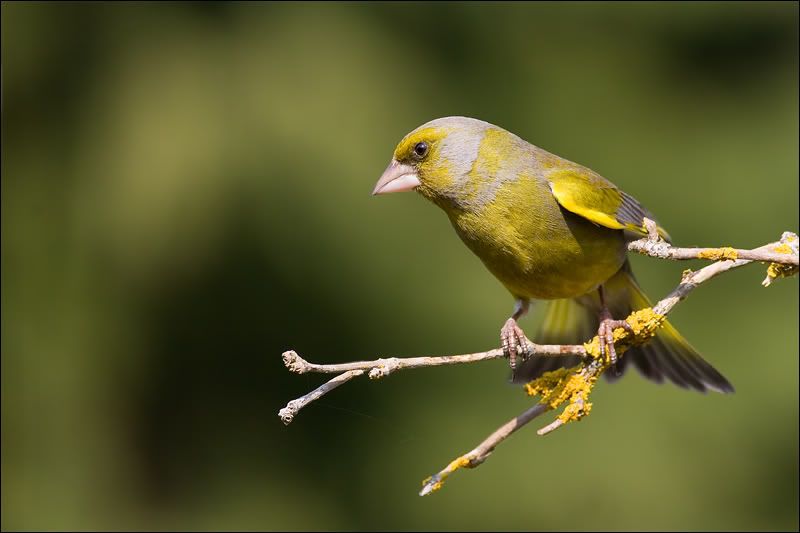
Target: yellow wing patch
[
  {"x": 593, "y": 197},
  {"x": 587, "y": 196}
]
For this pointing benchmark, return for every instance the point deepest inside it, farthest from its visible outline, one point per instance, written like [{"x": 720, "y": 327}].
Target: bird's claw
[
  {"x": 605, "y": 334},
  {"x": 514, "y": 342}
]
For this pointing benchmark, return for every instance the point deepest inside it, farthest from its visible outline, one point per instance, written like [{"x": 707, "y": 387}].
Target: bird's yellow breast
[{"x": 536, "y": 249}]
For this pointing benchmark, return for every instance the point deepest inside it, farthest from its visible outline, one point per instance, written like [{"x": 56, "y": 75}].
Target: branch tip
[
  {"x": 286, "y": 415},
  {"x": 549, "y": 428},
  {"x": 294, "y": 362}
]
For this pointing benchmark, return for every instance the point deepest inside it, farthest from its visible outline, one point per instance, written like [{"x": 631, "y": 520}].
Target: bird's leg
[
  {"x": 512, "y": 337},
  {"x": 605, "y": 332}
]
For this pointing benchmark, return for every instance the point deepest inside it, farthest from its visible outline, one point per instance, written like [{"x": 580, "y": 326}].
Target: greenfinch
[{"x": 547, "y": 229}]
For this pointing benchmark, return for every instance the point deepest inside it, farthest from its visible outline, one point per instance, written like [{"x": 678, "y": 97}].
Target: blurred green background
[{"x": 185, "y": 195}]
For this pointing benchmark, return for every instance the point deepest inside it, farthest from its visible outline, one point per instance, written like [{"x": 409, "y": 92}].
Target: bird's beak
[{"x": 397, "y": 177}]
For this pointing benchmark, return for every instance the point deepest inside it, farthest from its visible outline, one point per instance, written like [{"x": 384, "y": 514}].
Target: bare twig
[
  {"x": 380, "y": 368},
  {"x": 293, "y": 407},
  {"x": 383, "y": 367},
  {"x": 570, "y": 385}
]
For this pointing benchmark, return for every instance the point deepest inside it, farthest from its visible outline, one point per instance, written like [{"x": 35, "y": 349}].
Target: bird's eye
[{"x": 420, "y": 150}]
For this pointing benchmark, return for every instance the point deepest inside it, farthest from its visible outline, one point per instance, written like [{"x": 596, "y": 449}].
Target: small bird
[{"x": 547, "y": 229}]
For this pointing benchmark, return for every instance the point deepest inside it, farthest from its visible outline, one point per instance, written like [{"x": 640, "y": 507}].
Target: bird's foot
[
  {"x": 514, "y": 342},
  {"x": 605, "y": 334}
]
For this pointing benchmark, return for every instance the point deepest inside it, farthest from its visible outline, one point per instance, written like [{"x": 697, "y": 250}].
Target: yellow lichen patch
[
  {"x": 548, "y": 383},
  {"x": 717, "y": 254},
  {"x": 462, "y": 462},
  {"x": 576, "y": 409},
  {"x": 644, "y": 323},
  {"x": 573, "y": 385},
  {"x": 434, "y": 483},
  {"x": 562, "y": 385},
  {"x": 593, "y": 346},
  {"x": 435, "y": 486},
  {"x": 783, "y": 249},
  {"x": 777, "y": 270}
]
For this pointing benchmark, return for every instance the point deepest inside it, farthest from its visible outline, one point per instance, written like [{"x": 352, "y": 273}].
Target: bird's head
[{"x": 437, "y": 160}]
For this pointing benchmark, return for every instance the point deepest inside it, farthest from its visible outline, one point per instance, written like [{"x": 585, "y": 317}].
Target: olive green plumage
[{"x": 547, "y": 229}]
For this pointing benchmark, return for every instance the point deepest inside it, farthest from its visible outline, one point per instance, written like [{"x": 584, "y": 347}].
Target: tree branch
[
  {"x": 566, "y": 385},
  {"x": 653, "y": 245}
]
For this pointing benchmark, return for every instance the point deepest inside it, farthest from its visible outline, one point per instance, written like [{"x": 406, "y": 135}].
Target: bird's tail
[{"x": 667, "y": 356}]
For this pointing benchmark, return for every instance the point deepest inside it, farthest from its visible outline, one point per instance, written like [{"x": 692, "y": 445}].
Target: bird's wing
[{"x": 593, "y": 197}]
